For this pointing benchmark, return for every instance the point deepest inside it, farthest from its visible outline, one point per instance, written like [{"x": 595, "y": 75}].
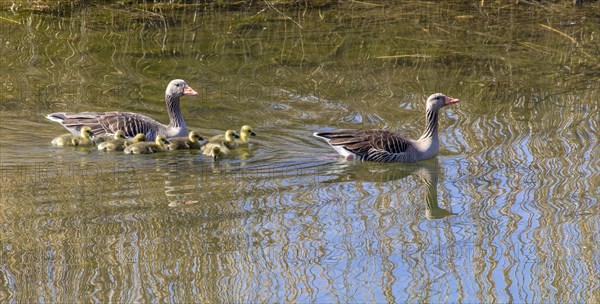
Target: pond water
[{"x": 507, "y": 212}]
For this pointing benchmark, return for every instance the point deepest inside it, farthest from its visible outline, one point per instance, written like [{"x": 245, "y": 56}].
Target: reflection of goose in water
[{"x": 427, "y": 171}]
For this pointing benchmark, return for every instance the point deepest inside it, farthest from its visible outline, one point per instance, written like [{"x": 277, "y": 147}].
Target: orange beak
[
  {"x": 450, "y": 100},
  {"x": 188, "y": 91}
]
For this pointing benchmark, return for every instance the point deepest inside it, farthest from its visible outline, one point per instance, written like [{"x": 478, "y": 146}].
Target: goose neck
[
  {"x": 431, "y": 127},
  {"x": 174, "y": 110}
]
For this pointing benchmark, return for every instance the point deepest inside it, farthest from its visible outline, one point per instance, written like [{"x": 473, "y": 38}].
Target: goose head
[
  {"x": 178, "y": 88},
  {"x": 139, "y": 137},
  {"x": 195, "y": 137},
  {"x": 161, "y": 140},
  {"x": 439, "y": 100},
  {"x": 231, "y": 135}
]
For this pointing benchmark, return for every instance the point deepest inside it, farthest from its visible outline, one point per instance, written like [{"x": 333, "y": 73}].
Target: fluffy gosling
[
  {"x": 159, "y": 145},
  {"x": 245, "y": 134},
  {"x": 85, "y": 139},
  {"x": 193, "y": 141},
  {"x": 229, "y": 140},
  {"x": 120, "y": 142}
]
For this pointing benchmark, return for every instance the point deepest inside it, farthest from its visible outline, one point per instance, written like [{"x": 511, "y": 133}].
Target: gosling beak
[
  {"x": 236, "y": 136},
  {"x": 450, "y": 100},
  {"x": 167, "y": 142},
  {"x": 252, "y": 133},
  {"x": 188, "y": 91}
]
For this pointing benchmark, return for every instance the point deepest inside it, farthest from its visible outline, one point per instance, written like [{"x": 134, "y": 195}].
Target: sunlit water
[{"x": 507, "y": 212}]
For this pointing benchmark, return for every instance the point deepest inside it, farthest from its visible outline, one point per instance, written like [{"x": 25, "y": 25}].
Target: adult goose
[
  {"x": 386, "y": 146},
  {"x": 132, "y": 123}
]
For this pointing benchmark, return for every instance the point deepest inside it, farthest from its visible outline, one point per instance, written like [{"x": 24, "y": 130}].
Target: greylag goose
[
  {"x": 193, "y": 141},
  {"x": 386, "y": 146},
  {"x": 229, "y": 140},
  {"x": 132, "y": 123},
  {"x": 245, "y": 134},
  {"x": 120, "y": 142},
  {"x": 159, "y": 145},
  {"x": 85, "y": 139}
]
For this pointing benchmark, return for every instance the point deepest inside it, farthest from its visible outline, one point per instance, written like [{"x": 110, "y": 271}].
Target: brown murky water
[{"x": 287, "y": 220}]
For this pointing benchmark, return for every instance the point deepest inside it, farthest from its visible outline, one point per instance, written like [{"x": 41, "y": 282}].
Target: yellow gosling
[
  {"x": 104, "y": 138},
  {"x": 118, "y": 143},
  {"x": 159, "y": 145},
  {"x": 138, "y": 138},
  {"x": 245, "y": 134},
  {"x": 193, "y": 141},
  {"x": 215, "y": 150},
  {"x": 229, "y": 140},
  {"x": 85, "y": 139}
]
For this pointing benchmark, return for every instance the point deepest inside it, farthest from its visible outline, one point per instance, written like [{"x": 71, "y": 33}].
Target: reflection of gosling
[
  {"x": 245, "y": 134},
  {"x": 120, "y": 142},
  {"x": 193, "y": 141},
  {"x": 229, "y": 140},
  {"x": 159, "y": 145},
  {"x": 85, "y": 139}
]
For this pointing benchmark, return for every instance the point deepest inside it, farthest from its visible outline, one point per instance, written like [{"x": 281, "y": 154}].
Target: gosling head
[
  {"x": 231, "y": 135},
  {"x": 139, "y": 137},
  {"x": 246, "y": 131},
  {"x": 86, "y": 132},
  {"x": 119, "y": 135},
  {"x": 215, "y": 152},
  {"x": 195, "y": 137},
  {"x": 161, "y": 140}
]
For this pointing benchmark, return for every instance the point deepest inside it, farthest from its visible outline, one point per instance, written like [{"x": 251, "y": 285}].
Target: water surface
[{"x": 508, "y": 211}]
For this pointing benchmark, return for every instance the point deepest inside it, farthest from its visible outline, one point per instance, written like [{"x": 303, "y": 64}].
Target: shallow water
[{"x": 508, "y": 211}]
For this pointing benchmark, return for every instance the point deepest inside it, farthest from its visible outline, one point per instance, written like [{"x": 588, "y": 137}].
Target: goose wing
[
  {"x": 365, "y": 142},
  {"x": 108, "y": 122}
]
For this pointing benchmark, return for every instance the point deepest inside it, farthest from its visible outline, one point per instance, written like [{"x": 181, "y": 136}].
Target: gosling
[
  {"x": 85, "y": 139},
  {"x": 193, "y": 141},
  {"x": 245, "y": 134},
  {"x": 215, "y": 152},
  {"x": 120, "y": 142},
  {"x": 159, "y": 145},
  {"x": 229, "y": 140}
]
